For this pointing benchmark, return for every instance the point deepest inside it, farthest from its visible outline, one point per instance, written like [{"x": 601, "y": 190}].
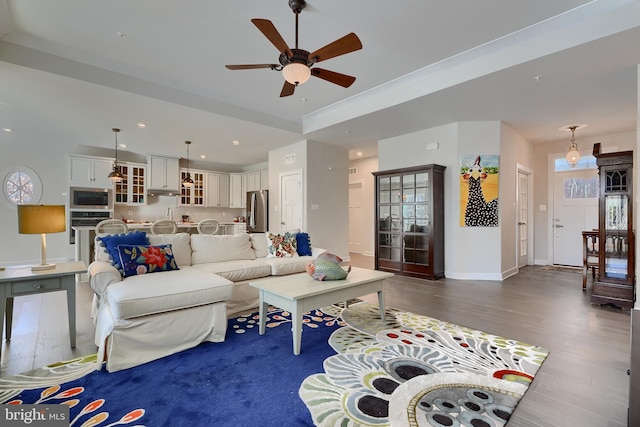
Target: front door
[{"x": 575, "y": 209}]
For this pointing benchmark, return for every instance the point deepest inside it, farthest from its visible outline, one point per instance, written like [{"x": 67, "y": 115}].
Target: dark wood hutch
[
  {"x": 615, "y": 283},
  {"x": 409, "y": 237}
]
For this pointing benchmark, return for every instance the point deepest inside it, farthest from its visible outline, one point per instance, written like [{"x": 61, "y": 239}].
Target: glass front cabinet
[
  {"x": 410, "y": 221},
  {"x": 616, "y": 274}
]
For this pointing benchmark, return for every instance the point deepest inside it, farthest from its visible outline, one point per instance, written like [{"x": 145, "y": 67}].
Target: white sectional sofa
[{"x": 144, "y": 317}]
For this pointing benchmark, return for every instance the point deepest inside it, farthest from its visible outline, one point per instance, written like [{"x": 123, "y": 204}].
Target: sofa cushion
[
  {"x": 259, "y": 244},
  {"x": 237, "y": 271},
  {"x": 111, "y": 241},
  {"x": 217, "y": 248},
  {"x": 180, "y": 244},
  {"x": 143, "y": 259},
  {"x": 174, "y": 290},
  {"x": 303, "y": 244},
  {"x": 281, "y": 245},
  {"x": 284, "y": 266}
]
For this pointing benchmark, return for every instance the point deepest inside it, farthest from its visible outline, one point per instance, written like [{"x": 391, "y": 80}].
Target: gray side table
[{"x": 20, "y": 281}]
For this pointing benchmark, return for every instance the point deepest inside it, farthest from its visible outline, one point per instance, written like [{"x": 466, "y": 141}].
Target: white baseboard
[{"x": 472, "y": 276}]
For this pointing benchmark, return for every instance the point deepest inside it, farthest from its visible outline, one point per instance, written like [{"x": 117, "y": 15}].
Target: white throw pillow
[
  {"x": 259, "y": 244},
  {"x": 180, "y": 244},
  {"x": 217, "y": 248}
]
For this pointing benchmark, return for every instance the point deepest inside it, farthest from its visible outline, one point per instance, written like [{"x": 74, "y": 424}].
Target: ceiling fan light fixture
[{"x": 296, "y": 73}]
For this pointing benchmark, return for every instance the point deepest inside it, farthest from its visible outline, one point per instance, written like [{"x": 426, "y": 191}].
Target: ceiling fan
[{"x": 297, "y": 65}]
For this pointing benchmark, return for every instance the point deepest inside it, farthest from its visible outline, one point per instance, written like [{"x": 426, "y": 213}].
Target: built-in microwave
[{"x": 81, "y": 198}]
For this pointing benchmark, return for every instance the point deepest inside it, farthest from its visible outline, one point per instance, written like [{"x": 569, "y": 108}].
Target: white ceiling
[{"x": 67, "y": 75}]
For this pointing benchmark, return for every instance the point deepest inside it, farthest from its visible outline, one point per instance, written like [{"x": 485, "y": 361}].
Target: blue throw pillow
[
  {"x": 143, "y": 259},
  {"x": 303, "y": 242},
  {"x": 112, "y": 241}
]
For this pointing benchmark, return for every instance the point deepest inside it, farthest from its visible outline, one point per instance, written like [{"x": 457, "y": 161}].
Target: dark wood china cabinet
[
  {"x": 615, "y": 283},
  {"x": 409, "y": 237}
]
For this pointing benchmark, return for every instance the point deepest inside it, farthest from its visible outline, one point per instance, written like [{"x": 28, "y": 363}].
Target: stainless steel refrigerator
[{"x": 257, "y": 211}]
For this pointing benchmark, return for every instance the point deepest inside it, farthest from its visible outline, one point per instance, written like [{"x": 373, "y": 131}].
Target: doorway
[
  {"x": 356, "y": 216},
  {"x": 291, "y": 201},
  {"x": 524, "y": 226}
]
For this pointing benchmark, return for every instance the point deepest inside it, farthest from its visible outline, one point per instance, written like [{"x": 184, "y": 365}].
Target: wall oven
[
  {"x": 81, "y": 198},
  {"x": 85, "y": 219}
]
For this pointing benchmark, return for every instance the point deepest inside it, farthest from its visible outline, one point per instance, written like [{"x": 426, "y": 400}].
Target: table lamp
[{"x": 41, "y": 219}]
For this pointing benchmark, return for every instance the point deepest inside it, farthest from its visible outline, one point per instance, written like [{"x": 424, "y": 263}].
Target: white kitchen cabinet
[
  {"x": 253, "y": 181},
  {"x": 164, "y": 173},
  {"x": 237, "y": 190},
  {"x": 87, "y": 171},
  {"x": 217, "y": 190},
  {"x": 132, "y": 189},
  {"x": 264, "y": 179}
]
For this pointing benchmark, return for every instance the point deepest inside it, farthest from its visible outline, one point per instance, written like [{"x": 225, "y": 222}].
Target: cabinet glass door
[
  {"x": 389, "y": 222},
  {"x": 616, "y": 237},
  {"x": 415, "y": 218}
]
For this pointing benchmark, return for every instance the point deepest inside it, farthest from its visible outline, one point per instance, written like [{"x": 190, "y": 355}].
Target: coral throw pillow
[
  {"x": 303, "y": 243},
  {"x": 281, "y": 245},
  {"x": 143, "y": 259},
  {"x": 111, "y": 242}
]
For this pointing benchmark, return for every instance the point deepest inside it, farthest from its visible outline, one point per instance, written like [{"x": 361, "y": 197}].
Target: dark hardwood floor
[{"x": 582, "y": 383}]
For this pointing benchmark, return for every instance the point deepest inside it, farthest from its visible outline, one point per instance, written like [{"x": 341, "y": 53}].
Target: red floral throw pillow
[{"x": 143, "y": 259}]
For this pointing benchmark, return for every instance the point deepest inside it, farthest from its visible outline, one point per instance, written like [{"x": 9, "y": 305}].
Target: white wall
[
  {"x": 327, "y": 188},
  {"x": 50, "y": 163},
  {"x": 514, "y": 150},
  {"x": 470, "y": 252}
]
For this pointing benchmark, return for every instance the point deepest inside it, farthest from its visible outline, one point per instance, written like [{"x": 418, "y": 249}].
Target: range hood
[{"x": 163, "y": 192}]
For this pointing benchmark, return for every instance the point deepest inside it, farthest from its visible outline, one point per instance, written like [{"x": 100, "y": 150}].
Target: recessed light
[
  {"x": 142, "y": 125},
  {"x": 347, "y": 131},
  {"x": 202, "y": 156},
  {"x": 7, "y": 129},
  {"x": 121, "y": 35},
  {"x": 304, "y": 99},
  {"x": 122, "y": 145},
  {"x": 236, "y": 142}
]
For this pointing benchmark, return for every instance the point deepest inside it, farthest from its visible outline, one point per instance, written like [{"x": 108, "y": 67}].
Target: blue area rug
[
  {"x": 353, "y": 370},
  {"x": 248, "y": 380}
]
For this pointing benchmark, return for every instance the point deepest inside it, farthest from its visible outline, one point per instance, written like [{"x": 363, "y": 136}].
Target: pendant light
[
  {"x": 573, "y": 156},
  {"x": 187, "y": 182},
  {"x": 116, "y": 173}
]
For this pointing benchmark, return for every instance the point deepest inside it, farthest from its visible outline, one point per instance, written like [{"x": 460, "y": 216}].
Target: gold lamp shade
[{"x": 41, "y": 219}]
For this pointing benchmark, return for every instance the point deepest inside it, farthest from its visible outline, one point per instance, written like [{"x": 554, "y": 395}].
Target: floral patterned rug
[
  {"x": 418, "y": 371},
  {"x": 354, "y": 370}
]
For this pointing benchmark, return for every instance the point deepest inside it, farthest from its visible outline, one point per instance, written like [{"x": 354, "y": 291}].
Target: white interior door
[
  {"x": 356, "y": 217},
  {"x": 575, "y": 209},
  {"x": 523, "y": 219},
  {"x": 291, "y": 201}
]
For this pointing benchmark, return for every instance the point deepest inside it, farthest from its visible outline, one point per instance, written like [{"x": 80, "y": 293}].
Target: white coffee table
[{"x": 299, "y": 293}]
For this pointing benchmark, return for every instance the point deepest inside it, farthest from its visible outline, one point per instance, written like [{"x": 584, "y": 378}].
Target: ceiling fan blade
[
  {"x": 269, "y": 30},
  {"x": 251, "y": 66},
  {"x": 287, "y": 89},
  {"x": 333, "y": 77},
  {"x": 346, "y": 44}
]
